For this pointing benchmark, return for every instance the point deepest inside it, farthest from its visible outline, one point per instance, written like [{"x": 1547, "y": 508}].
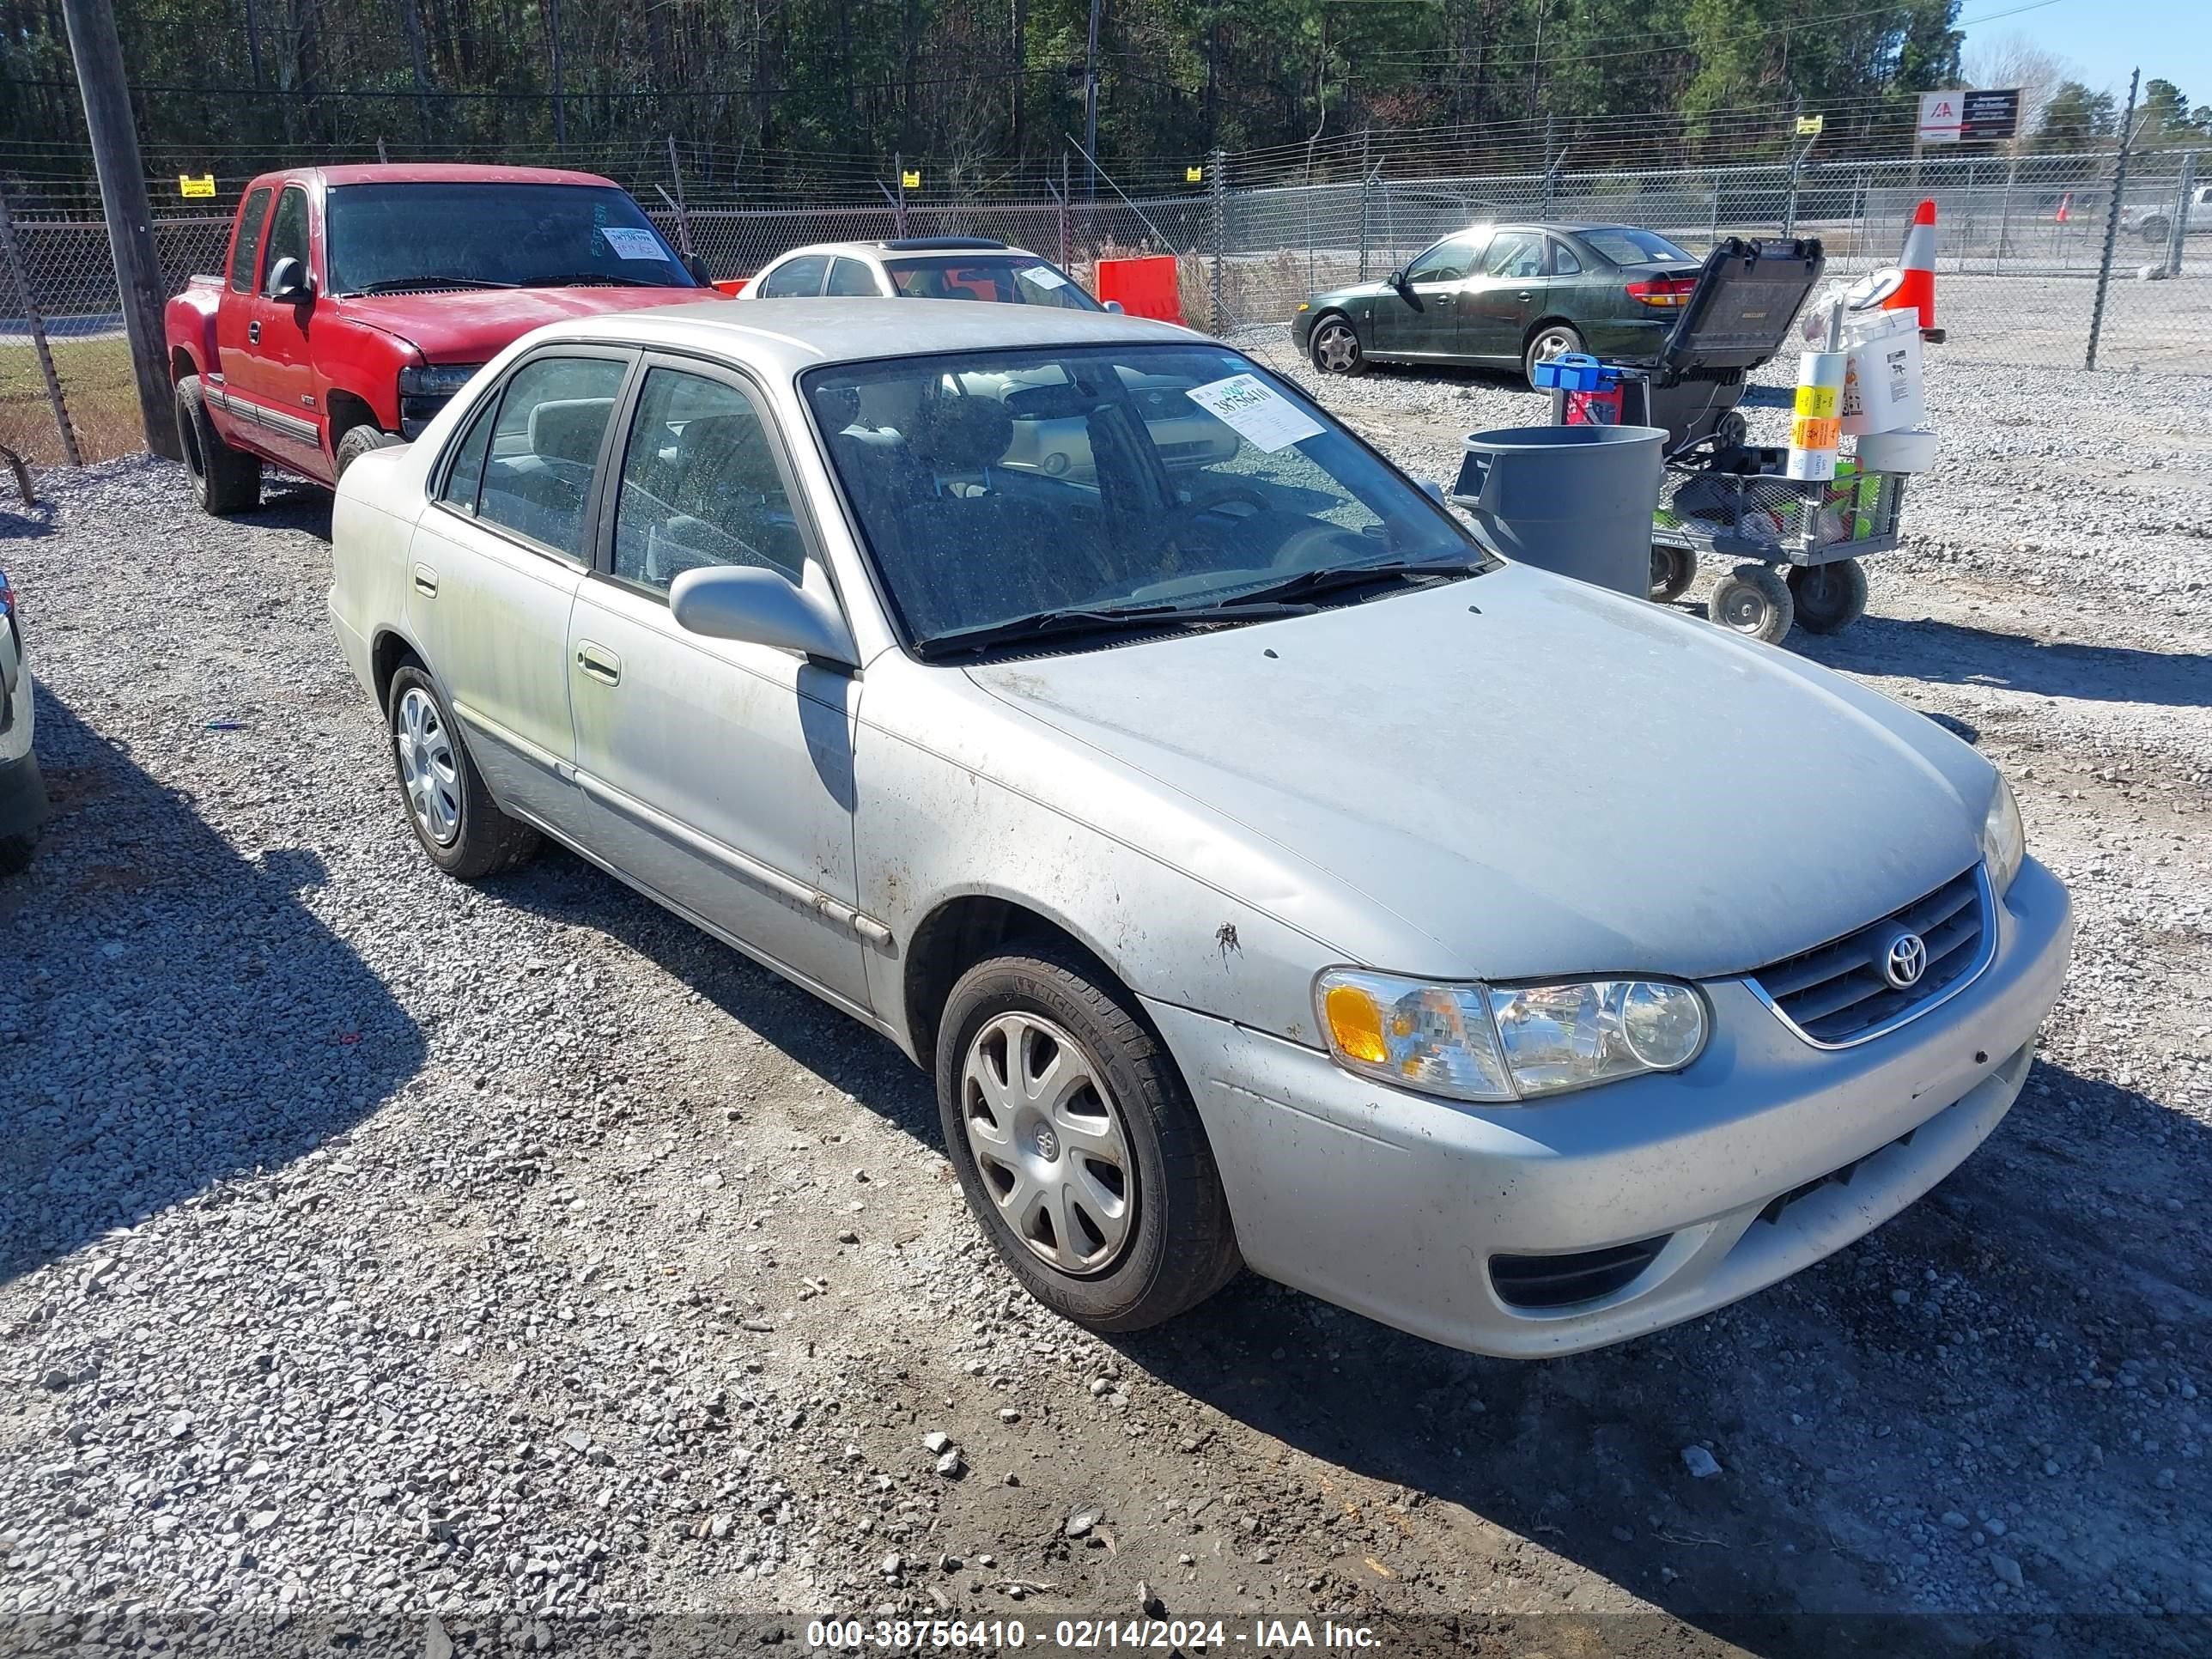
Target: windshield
[
  {"x": 1626, "y": 246},
  {"x": 1011, "y": 279},
  {"x": 388, "y": 238},
  {"x": 992, "y": 487}
]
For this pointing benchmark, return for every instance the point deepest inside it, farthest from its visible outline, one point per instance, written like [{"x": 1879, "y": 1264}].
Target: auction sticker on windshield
[
  {"x": 630, "y": 243},
  {"x": 1255, "y": 411},
  {"x": 1045, "y": 276}
]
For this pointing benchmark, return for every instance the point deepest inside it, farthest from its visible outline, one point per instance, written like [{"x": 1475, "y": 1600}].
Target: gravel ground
[{"x": 372, "y": 1246}]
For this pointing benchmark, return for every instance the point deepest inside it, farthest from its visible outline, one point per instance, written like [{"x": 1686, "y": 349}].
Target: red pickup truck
[{"x": 357, "y": 299}]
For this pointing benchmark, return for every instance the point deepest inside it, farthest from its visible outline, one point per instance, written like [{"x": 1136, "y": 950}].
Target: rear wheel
[
  {"x": 225, "y": 480},
  {"x": 1673, "y": 570},
  {"x": 1335, "y": 347},
  {"x": 452, "y": 814},
  {"x": 1077, "y": 1145},
  {"x": 356, "y": 442},
  {"x": 1829, "y": 598},
  {"x": 1754, "y": 600},
  {"x": 1550, "y": 340}
]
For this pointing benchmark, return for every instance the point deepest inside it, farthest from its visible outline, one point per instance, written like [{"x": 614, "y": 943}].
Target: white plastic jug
[{"x": 1882, "y": 388}]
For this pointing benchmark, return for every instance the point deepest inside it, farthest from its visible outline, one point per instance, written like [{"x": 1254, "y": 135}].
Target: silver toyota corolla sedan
[{"x": 1267, "y": 875}]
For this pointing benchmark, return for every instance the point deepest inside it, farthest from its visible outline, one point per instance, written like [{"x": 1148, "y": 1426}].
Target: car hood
[
  {"x": 476, "y": 324},
  {"x": 1345, "y": 296},
  {"x": 1530, "y": 775}
]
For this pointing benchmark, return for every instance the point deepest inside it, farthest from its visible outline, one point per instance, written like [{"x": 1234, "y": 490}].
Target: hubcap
[
  {"x": 427, "y": 766},
  {"x": 1743, "y": 609},
  {"x": 1049, "y": 1143},
  {"x": 1549, "y": 346},
  {"x": 1337, "y": 349}
]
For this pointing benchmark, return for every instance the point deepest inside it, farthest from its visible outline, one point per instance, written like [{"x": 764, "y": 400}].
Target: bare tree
[{"x": 2017, "y": 59}]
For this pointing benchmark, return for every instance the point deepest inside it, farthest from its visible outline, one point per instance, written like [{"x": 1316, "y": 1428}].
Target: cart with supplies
[{"x": 1720, "y": 494}]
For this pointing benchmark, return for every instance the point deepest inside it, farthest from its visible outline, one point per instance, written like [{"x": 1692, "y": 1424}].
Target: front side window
[
  {"x": 992, "y": 487},
  {"x": 852, "y": 279},
  {"x": 420, "y": 238},
  {"x": 699, "y": 485},
  {"x": 543, "y": 447},
  {"x": 796, "y": 279},
  {"x": 288, "y": 236},
  {"x": 248, "y": 240},
  {"x": 1002, "y": 278},
  {"x": 1447, "y": 262}
]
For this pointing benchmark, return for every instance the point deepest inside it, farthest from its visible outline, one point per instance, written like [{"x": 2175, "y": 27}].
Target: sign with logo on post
[
  {"x": 1942, "y": 116},
  {"x": 203, "y": 186},
  {"x": 1194, "y": 175},
  {"x": 1986, "y": 115}
]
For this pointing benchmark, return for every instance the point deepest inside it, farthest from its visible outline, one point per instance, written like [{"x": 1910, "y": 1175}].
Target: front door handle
[
  {"x": 601, "y": 663},
  {"x": 253, "y": 332},
  {"x": 426, "y": 581}
]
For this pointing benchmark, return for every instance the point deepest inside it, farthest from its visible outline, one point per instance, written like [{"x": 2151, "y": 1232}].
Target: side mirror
[
  {"x": 1397, "y": 280},
  {"x": 1433, "y": 490},
  {"x": 760, "y": 607},
  {"x": 1115, "y": 307},
  {"x": 695, "y": 268},
  {"x": 288, "y": 283}
]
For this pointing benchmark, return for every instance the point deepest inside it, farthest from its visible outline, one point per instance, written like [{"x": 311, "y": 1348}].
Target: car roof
[
  {"x": 437, "y": 173},
  {"x": 907, "y": 249},
  {"x": 786, "y": 336}
]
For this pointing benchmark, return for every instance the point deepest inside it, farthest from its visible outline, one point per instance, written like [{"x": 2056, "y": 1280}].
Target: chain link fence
[{"x": 2025, "y": 246}]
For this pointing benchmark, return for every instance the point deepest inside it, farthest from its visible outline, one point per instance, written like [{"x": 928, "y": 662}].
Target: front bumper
[
  {"x": 1302, "y": 324},
  {"x": 1393, "y": 1204}
]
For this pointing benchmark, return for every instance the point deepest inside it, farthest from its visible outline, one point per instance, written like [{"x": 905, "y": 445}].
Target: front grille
[
  {"x": 1836, "y": 994},
  {"x": 1841, "y": 1177},
  {"x": 1560, "y": 1281}
]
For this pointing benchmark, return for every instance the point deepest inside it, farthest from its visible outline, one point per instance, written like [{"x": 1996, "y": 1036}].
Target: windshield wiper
[
  {"x": 1313, "y": 584},
  {"x": 1061, "y": 625},
  {"x": 399, "y": 284},
  {"x": 577, "y": 278}
]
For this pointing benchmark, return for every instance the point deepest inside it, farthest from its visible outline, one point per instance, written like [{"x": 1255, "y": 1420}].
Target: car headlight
[
  {"x": 436, "y": 380},
  {"x": 1304, "y": 306},
  {"x": 1473, "y": 1042},
  {"x": 2004, "y": 838}
]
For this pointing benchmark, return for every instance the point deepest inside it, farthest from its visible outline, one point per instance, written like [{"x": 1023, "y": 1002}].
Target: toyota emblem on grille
[{"x": 1906, "y": 960}]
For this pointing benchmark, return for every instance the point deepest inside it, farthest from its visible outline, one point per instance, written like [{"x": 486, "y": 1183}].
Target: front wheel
[
  {"x": 1077, "y": 1145},
  {"x": 1829, "y": 598},
  {"x": 1335, "y": 348},
  {"x": 1551, "y": 340},
  {"x": 357, "y": 442},
  {"x": 1754, "y": 600}
]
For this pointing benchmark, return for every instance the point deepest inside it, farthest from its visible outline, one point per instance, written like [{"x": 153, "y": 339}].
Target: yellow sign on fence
[
  {"x": 203, "y": 185},
  {"x": 910, "y": 180},
  {"x": 1194, "y": 175},
  {"x": 1808, "y": 127}
]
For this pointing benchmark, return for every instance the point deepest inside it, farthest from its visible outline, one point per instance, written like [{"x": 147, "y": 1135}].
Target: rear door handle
[
  {"x": 1526, "y": 294},
  {"x": 601, "y": 663},
  {"x": 253, "y": 332},
  {"x": 426, "y": 581}
]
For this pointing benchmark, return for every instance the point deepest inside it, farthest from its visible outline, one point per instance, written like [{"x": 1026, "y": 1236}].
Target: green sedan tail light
[{"x": 1664, "y": 290}]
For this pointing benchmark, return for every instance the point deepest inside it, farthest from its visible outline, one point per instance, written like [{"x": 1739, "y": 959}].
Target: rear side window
[
  {"x": 1515, "y": 254},
  {"x": 851, "y": 278},
  {"x": 465, "y": 477},
  {"x": 255, "y": 215},
  {"x": 796, "y": 278},
  {"x": 544, "y": 447},
  {"x": 288, "y": 236}
]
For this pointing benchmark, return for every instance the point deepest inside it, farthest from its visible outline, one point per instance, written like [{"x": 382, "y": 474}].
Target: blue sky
[{"x": 2108, "y": 38}]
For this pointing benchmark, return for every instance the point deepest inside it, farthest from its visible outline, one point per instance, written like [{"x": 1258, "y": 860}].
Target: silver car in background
[{"x": 1266, "y": 873}]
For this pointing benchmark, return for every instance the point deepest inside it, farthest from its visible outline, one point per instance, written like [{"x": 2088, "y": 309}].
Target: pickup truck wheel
[
  {"x": 16, "y": 852},
  {"x": 1077, "y": 1144},
  {"x": 453, "y": 815},
  {"x": 225, "y": 480},
  {"x": 357, "y": 442}
]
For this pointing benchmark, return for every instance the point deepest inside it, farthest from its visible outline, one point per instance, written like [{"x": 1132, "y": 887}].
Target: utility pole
[
  {"x": 99, "y": 54},
  {"x": 1091, "y": 101},
  {"x": 559, "y": 93}
]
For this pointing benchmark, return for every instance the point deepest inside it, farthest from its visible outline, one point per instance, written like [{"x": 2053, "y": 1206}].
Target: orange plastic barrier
[{"x": 1145, "y": 288}]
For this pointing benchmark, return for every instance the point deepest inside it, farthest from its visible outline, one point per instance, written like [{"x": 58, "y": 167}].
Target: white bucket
[
  {"x": 1882, "y": 388},
  {"x": 1897, "y": 451}
]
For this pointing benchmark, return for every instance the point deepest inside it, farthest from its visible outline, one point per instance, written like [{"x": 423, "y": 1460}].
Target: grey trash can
[{"x": 1576, "y": 500}]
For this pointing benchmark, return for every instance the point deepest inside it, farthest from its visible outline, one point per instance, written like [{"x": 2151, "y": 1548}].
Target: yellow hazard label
[
  {"x": 203, "y": 185},
  {"x": 1194, "y": 175},
  {"x": 910, "y": 180},
  {"x": 1817, "y": 400},
  {"x": 1816, "y": 431},
  {"x": 1808, "y": 127}
]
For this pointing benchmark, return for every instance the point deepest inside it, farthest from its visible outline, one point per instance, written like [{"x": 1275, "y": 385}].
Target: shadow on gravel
[
  {"x": 294, "y": 504},
  {"x": 1951, "y": 654},
  {"x": 170, "y": 1012},
  {"x": 20, "y": 523}
]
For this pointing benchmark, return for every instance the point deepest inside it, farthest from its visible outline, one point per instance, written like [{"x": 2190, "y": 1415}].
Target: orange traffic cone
[
  {"x": 1917, "y": 291},
  {"x": 2065, "y": 209}
]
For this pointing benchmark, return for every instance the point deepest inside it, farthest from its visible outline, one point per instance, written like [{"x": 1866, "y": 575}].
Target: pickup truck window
[
  {"x": 420, "y": 238},
  {"x": 287, "y": 237},
  {"x": 248, "y": 244}
]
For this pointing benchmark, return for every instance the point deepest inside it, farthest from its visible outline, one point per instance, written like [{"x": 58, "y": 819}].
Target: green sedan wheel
[
  {"x": 1335, "y": 348},
  {"x": 1549, "y": 341}
]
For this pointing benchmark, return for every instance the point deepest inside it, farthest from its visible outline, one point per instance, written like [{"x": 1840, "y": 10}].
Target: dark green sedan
[{"x": 1507, "y": 296}]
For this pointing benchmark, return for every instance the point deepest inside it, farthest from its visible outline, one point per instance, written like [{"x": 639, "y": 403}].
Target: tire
[
  {"x": 451, "y": 813},
  {"x": 1673, "y": 570},
  {"x": 1043, "y": 1200},
  {"x": 15, "y": 853},
  {"x": 1754, "y": 600},
  {"x": 1550, "y": 340},
  {"x": 356, "y": 442},
  {"x": 225, "y": 481},
  {"x": 2155, "y": 232},
  {"x": 1828, "y": 597},
  {"x": 1342, "y": 355}
]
